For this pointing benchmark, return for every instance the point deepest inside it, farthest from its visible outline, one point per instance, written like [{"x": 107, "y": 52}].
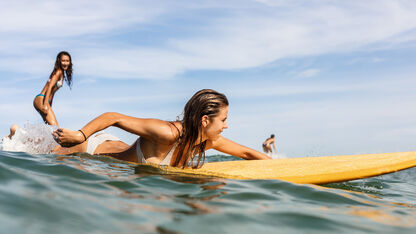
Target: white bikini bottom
[{"x": 96, "y": 140}]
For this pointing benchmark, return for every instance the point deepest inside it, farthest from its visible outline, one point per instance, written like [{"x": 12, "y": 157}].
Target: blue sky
[{"x": 327, "y": 77}]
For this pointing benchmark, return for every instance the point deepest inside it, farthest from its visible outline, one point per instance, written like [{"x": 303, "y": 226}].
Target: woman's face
[
  {"x": 213, "y": 127},
  {"x": 65, "y": 62}
]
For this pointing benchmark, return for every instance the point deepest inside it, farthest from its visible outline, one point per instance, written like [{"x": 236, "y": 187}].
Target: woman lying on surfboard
[
  {"x": 170, "y": 143},
  {"x": 43, "y": 101}
]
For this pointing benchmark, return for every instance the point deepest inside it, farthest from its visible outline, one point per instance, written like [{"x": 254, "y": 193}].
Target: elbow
[
  {"x": 111, "y": 114},
  {"x": 113, "y": 117}
]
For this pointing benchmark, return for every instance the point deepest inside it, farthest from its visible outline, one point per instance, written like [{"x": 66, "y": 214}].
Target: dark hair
[
  {"x": 204, "y": 102},
  {"x": 272, "y": 136},
  {"x": 58, "y": 66}
]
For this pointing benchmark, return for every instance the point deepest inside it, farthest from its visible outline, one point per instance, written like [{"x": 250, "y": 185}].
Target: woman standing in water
[
  {"x": 170, "y": 143},
  {"x": 43, "y": 101}
]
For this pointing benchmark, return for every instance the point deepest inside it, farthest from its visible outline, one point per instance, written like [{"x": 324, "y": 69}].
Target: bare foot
[{"x": 13, "y": 130}]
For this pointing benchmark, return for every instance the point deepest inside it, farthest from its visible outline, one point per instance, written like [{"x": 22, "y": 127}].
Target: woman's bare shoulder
[
  {"x": 55, "y": 77},
  {"x": 168, "y": 132},
  {"x": 175, "y": 131},
  {"x": 59, "y": 72}
]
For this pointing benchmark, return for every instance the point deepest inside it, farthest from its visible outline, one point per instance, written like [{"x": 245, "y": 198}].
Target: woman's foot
[{"x": 13, "y": 130}]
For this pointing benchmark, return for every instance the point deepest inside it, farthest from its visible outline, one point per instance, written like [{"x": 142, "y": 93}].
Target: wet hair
[
  {"x": 204, "y": 102},
  {"x": 58, "y": 66},
  {"x": 272, "y": 136}
]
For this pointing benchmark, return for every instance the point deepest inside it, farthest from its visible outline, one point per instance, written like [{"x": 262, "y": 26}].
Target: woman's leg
[
  {"x": 13, "y": 129},
  {"x": 111, "y": 147},
  {"x": 265, "y": 149},
  {"x": 118, "y": 150},
  {"x": 45, "y": 111},
  {"x": 50, "y": 118}
]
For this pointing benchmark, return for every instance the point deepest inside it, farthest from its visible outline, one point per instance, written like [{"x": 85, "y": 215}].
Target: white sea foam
[
  {"x": 32, "y": 139},
  {"x": 279, "y": 155}
]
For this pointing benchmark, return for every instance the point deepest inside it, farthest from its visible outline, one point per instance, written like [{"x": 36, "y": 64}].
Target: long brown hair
[
  {"x": 58, "y": 66},
  {"x": 204, "y": 102}
]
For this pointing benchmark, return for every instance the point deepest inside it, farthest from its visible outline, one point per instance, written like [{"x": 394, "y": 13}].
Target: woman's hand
[
  {"x": 230, "y": 147},
  {"x": 67, "y": 137}
]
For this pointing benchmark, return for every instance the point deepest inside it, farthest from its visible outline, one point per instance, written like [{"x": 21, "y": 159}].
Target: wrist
[{"x": 82, "y": 135}]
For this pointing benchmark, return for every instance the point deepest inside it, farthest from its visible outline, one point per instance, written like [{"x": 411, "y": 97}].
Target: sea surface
[{"x": 46, "y": 193}]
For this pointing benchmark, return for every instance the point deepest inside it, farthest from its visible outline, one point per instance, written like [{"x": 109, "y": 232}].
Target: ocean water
[{"x": 46, "y": 193}]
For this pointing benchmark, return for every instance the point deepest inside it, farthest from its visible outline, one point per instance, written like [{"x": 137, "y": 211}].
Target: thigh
[
  {"x": 111, "y": 147},
  {"x": 38, "y": 104},
  {"x": 50, "y": 118}
]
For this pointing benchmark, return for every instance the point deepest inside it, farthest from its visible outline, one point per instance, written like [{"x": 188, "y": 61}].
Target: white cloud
[
  {"x": 295, "y": 89},
  {"x": 5, "y": 92},
  {"x": 308, "y": 73},
  {"x": 248, "y": 35},
  {"x": 377, "y": 60},
  {"x": 367, "y": 59},
  {"x": 131, "y": 63},
  {"x": 63, "y": 19}
]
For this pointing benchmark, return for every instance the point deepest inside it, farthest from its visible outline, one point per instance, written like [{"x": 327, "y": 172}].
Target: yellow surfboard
[{"x": 309, "y": 170}]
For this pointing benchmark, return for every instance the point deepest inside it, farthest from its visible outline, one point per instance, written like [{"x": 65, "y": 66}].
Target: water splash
[{"x": 32, "y": 139}]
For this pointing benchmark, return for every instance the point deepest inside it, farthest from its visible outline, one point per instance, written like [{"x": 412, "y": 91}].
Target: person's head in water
[
  {"x": 205, "y": 116},
  {"x": 272, "y": 136},
  {"x": 64, "y": 62}
]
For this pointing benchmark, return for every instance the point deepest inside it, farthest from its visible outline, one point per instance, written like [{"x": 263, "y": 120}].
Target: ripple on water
[{"x": 84, "y": 193}]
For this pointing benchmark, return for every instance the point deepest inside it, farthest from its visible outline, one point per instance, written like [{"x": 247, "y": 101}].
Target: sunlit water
[{"x": 46, "y": 193}]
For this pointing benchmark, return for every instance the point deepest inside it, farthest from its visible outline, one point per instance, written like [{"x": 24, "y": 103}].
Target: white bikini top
[
  {"x": 141, "y": 159},
  {"x": 60, "y": 83}
]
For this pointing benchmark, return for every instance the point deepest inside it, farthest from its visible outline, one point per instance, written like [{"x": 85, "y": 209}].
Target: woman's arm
[
  {"x": 151, "y": 129},
  {"x": 230, "y": 147}
]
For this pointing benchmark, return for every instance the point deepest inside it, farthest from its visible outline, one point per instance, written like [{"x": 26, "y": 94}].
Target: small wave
[{"x": 32, "y": 139}]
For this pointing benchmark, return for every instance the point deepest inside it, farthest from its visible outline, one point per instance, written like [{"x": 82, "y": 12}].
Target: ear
[{"x": 205, "y": 121}]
